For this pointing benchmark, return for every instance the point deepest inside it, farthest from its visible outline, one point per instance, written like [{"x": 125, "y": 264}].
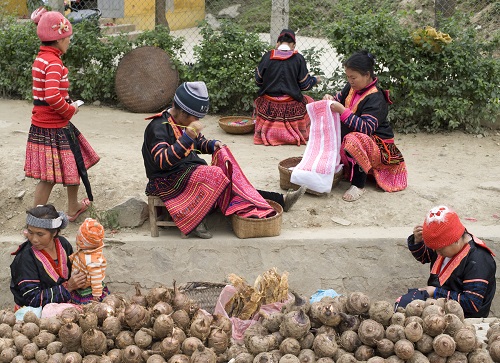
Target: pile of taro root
[{"x": 165, "y": 325}]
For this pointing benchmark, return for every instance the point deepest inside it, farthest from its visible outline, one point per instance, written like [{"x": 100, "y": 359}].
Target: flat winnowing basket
[
  {"x": 285, "y": 168},
  {"x": 225, "y": 123},
  {"x": 205, "y": 294},
  {"x": 262, "y": 227}
]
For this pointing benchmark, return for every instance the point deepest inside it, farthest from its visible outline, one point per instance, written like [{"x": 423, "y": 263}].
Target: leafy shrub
[
  {"x": 456, "y": 87},
  {"x": 226, "y": 61}
]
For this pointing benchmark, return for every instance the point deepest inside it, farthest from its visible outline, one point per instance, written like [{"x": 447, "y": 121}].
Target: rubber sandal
[
  {"x": 201, "y": 231},
  {"x": 85, "y": 205},
  {"x": 292, "y": 197},
  {"x": 353, "y": 193}
]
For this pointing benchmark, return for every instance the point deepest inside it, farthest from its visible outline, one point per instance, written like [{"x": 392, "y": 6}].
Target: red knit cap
[
  {"x": 442, "y": 227},
  {"x": 51, "y": 25},
  {"x": 90, "y": 235}
]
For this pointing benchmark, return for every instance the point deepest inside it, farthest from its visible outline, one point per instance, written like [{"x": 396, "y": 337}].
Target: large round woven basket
[
  {"x": 146, "y": 80},
  {"x": 229, "y": 124},
  {"x": 285, "y": 168},
  {"x": 263, "y": 227},
  {"x": 205, "y": 294}
]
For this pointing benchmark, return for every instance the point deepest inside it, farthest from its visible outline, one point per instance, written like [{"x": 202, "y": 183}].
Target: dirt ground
[{"x": 457, "y": 169}]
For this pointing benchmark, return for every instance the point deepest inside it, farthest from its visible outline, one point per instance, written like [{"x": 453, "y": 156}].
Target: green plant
[
  {"x": 312, "y": 57},
  {"x": 454, "y": 88},
  {"x": 108, "y": 218},
  {"x": 226, "y": 61}
]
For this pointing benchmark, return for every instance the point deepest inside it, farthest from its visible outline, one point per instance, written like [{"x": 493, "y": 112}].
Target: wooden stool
[{"x": 158, "y": 215}]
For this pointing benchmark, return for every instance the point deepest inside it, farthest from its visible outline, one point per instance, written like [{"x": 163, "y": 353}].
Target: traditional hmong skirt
[
  {"x": 189, "y": 195},
  {"x": 383, "y": 159},
  {"x": 84, "y": 296},
  {"x": 49, "y": 157},
  {"x": 281, "y": 121}
]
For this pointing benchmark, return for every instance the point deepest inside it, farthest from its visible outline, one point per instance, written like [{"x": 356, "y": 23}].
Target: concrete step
[{"x": 111, "y": 28}]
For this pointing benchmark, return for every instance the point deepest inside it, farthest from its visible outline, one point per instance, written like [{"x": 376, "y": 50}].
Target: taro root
[
  {"x": 5, "y": 330},
  {"x": 454, "y": 307},
  {"x": 258, "y": 343},
  {"x": 370, "y": 331},
  {"x": 325, "y": 360},
  {"x": 385, "y": 348},
  {"x": 138, "y": 298},
  {"x": 432, "y": 309},
  {"x": 404, "y": 349},
  {"x": 424, "y": 345},
  {"x": 381, "y": 312},
  {"x": 223, "y": 322},
  {"x": 54, "y": 347},
  {"x": 418, "y": 357},
  {"x": 414, "y": 332},
  {"x": 453, "y": 324},
  {"x": 395, "y": 332},
  {"x": 124, "y": 339},
  {"x": 324, "y": 345},
  {"x": 494, "y": 350},
  {"x": 57, "y": 358},
  {"x": 7, "y": 317},
  {"x": 295, "y": 324},
  {"x": 29, "y": 351},
  {"x": 88, "y": 321},
  {"x": 412, "y": 319},
  {"x": 189, "y": 345},
  {"x": 163, "y": 325},
  {"x": 31, "y": 317},
  {"x": 289, "y": 358},
  {"x": 265, "y": 357},
  {"x": 158, "y": 294},
  {"x": 101, "y": 309},
  {"x": 479, "y": 356},
  {"x": 357, "y": 303},
  {"x": 314, "y": 312},
  {"x": 244, "y": 358},
  {"x": 235, "y": 349},
  {"x": 290, "y": 346},
  {"x": 255, "y": 329},
  {"x": 271, "y": 321},
  {"x": 132, "y": 354},
  {"x": 465, "y": 340},
  {"x": 364, "y": 352},
  {"x": 394, "y": 359},
  {"x": 178, "y": 334},
  {"x": 203, "y": 355},
  {"x": 91, "y": 358},
  {"x": 376, "y": 359},
  {"x": 415, "y": 308},
  {"x": 44, "y": 338},
  {"x": 307, "y": 356},
  {"x": 434, "y": 325},
  {"x": 115, "y": 355},
  {"x": 72, "y": 357},
  {"x": 70, "y": 315},
  {"x": 70, "y": 335},
  {"x": 398, "y": 319},
  {"x": 180, "y": 301},
  {"x": 346, "y": 358},
  {"x": 156, "y": 358},
  {"x": 444, "y": 345},
  {"x": 51, "y": 324},
  {"x": 7, "y": 355},
  {"x": 181, "y": 319},
  {"x": 113, "y": 300},
  {"x": 94, "y": 342},
  {"x": 306, "y": 342},
  {"x": 177, "y": 358},
  {"x": 20, "y": 341},
  {"x": 19, "y": 359},
  {"x": 218, "y": 340},
  {"x": 349, "y": 340},
  {"x": 340, "y": 352},
  {"x": 457, "y": 357},
  {"x": 436, "y": 358},
  {"x": 169, "y": 346},
  {"x": 41, "y": 356},
  {"x": 200, "y": 326},
  {"x": 31, "y": 330},
  {"x": 298, "y": 303},
  {"x": 162, "y": 307},
  {"x": 111, "y": 326},
  {"x": 137, "y": 316}
]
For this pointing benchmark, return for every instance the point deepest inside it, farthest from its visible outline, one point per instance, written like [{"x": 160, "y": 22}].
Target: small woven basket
[
  {"x": 262, "y": 227},
  {"x": 225, "y": 124},
  {"x": 205, "y": 294},
  {"x": 285, "y": 169}
]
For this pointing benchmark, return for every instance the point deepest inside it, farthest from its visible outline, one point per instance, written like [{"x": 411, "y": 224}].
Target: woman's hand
[
  {"x": 194, "y": 128},
  {"x": 76, "y": 281},
  {"x": 218, "y": 145},
  {"x": 430, "y": 290},
  {"x": 417, "y": 234},
  {"x": 328, "y": 97},
  {"x": 337, "y": 107}
]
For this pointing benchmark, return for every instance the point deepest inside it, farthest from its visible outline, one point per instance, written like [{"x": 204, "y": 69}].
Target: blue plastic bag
[
  {"x": 20, "y": 312},
  {"x": 319, "y": 294}
]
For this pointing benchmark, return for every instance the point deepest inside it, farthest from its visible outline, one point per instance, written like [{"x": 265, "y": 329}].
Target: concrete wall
[{"x": 371, "y": 260}]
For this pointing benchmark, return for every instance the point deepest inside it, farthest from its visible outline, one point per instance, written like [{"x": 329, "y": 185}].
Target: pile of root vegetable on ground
[{"x": 166, "y": 325}]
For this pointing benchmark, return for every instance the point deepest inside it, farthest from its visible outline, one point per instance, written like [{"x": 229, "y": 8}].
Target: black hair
[
  {"x": 47, "y": 211},
  {"x": 285, "y": 38},
  {"x": 50, "y": 43},
  {"x": 362, "y": 62}
]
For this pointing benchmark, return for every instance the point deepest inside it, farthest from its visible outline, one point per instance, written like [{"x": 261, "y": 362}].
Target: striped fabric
[{"x": 93, "y": 264}]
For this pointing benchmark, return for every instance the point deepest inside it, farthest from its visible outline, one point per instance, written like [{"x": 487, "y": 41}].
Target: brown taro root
[
  {"x": 364, "y": 352},
  {"x": 137, "y": 316},
  {"x": 162, "y": 307},
  {"x": 370, "y": 331},
  {"x": 349, "y": 322},
  {"x": 307, "y": 341},
  {"x": 124, "y": 339},
  {"x": 259, "y": 344},
  {"x": 444, "y": 345},
  {"x": 189, "y": 345},
  {"x": 143, "y": 338},
  {"x": 329, "y": 315},
  {"x": 203, "y": 355},
  {"x": 180, "y": 300},
  {"x": 325, "y": 360},
  {"x": 111, "y": 327},
  {"x": 51, "y": 324},
  {"x": 169, "y": 347},
  {"x": 115, "y": 355},
  {"x": 70, "y": 315},
  {"x": 494, "y": 350},
  {"x": 181, "y": 319},
  {"x": 163, "y": 325},
  {"x": 404, "y": 349},
  {"x": 357, "y": 303},
  {"x": 200, "y": 326},
  {"x": 113, "y": 300},
  {"x": 19, "y": 341},
  {"x": 398, "y": 319},
  {"x": 44, "y": 338},
  {"x": 138, "y": 298},
  {"x": 7, "y": 317},
  {"x": 424, "y": 345},
  {"x": 31, "y": 317},
  {"x": 415, "y": 308},
  {"x": 385, "y": 348},
  {"x": 157, "y": 294},
  {"x": 453, "y": 324},
  {"x": 70, "y": 335},
  {"x": 156, "y": 358},
  {"x": 271, "y": 321},
  {"x": 339, "y": 353},
  {"x": 234, "y": 350},
  {"x": 295, "y": 324},
  {"x": 395, "y": 332},
  {"x": 31, "y": 330},
  {"x": 218, "y": 340},
  {"x": 254, "y": 329},
  {"x": 290, "y": 346},
  {"x": 177, "y": 358},
  {"x": 88, "y": 321},
  {"x": 314, "y": 312},
  {"x": 244, "y": 357},
  {"x": 432, "y": 309},
  {"x": 418, "y": 357},
  {"x": 411, "y": 319},
  {"x": 349, "y": 340},
  {"x": 375, "y": 359},
  {"x": 414, "y": 332},
  {"x": 223, "y": 322},
  {"x": 29, "y": 351},
  {"x": 132, "y": 354},
  {"x": 54, "y": 347},
  {"x": 324, "y": 345},
  {"x": 394, "y": 359},
  {"x": 307, "y": 356},
  {"x": 94, "y": 342},
  {"x": 465, "y": 340},
  {"x": 298, "y": 303},
  {"x": 346, "y": 358},
  {"x": 289, "y": 358},
  {"x": 479, "y": 356},
  {"x": 101, "y": 310},
  {"x": 72, "y": 357},
  {"x": 7, "y": 355},
  {"x": 457, "y": 357},
  {"x": 381, "y": 311},
  {"x": 454, "y": 307},
  {"x": 434, "y": 325}
]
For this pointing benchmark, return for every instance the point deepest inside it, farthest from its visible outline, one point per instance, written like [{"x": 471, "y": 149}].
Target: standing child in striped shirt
[{"x": 90, "y": 260}]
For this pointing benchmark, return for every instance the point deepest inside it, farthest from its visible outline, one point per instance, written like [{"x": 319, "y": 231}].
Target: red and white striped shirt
[{"x": 50, "y": 85}]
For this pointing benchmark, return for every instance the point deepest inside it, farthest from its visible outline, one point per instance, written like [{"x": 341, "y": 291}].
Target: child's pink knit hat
[
  {"x": 442, "y": 227},
  {"x": 51, "y": 25},
  {"x": 90, "y": 235}
]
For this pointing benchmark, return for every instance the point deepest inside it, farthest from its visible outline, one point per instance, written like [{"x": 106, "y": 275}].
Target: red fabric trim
[
  {"x": 351, "y": 98},
  {"x": 277, "y": 54}
]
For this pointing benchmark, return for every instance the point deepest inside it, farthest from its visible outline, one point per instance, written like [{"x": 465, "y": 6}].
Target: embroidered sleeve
[
  {"x": 305, "y": 80},
  {"x": 420, "y": 251},
  {"x": 165, "y": 149},
  {"x": 367, "y": 123},
  {"x": 205, "y": 146}
]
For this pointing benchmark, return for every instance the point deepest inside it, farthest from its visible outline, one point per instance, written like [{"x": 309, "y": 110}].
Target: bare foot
[{"x": 353, "y": 193}]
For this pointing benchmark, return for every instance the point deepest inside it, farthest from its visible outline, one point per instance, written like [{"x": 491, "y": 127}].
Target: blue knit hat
[{"x": 192, "y": 97}]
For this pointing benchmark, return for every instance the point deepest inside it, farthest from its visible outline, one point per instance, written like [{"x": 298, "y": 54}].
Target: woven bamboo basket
[
  {"x": 285, "y": 168},
  {"x": 205, "y": 294},
  {"x": 225, "y": 124},
  {"x": 253, "y": 227}
]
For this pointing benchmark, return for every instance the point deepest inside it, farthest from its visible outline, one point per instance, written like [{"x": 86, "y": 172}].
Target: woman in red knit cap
[
  {"x": 56, "y": 152},
  {"x": 462, "y": 266}
]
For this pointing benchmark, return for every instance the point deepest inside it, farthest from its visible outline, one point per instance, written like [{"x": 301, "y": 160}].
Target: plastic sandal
[{"x": 85, "y": 205}]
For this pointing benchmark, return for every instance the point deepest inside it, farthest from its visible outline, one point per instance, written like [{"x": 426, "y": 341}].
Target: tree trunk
[
  {"x": 279, "y": 18},
  {"x": 160, "y": 10}
]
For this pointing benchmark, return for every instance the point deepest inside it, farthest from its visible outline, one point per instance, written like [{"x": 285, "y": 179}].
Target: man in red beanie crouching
[{"x": 462, "y": 266}]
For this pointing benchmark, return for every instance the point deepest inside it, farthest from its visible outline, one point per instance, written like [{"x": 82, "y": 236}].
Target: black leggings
[
  {"x": 358, "y": 177},
  {"x": 275, "y": 197}
]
